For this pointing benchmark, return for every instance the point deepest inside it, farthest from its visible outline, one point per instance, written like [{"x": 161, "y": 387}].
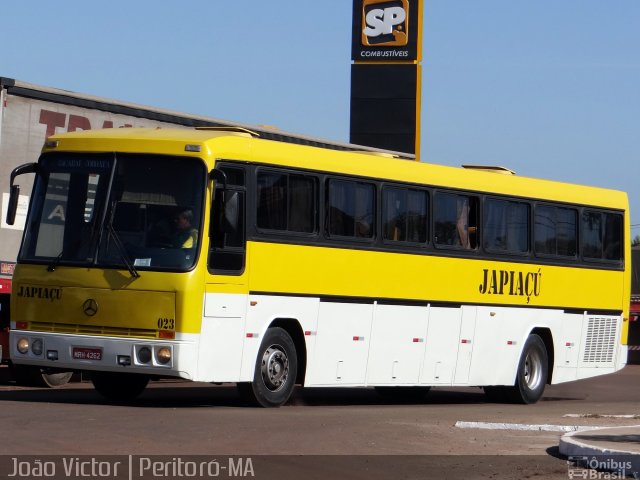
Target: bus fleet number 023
[{"x": 166, "y": 324}]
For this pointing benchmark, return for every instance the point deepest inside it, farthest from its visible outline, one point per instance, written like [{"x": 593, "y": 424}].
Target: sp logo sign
[
  {"x": 386, "y": 30},
  {"x": 385, "y": 23}
]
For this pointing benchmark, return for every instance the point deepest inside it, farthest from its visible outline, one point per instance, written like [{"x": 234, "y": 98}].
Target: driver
[{"x": 184, "y": 235}]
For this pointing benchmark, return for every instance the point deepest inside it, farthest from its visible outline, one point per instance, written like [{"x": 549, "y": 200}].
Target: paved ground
[{"x": 363, "y": 435}]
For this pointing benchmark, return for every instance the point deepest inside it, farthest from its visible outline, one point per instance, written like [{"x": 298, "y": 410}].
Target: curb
[{"x": 600, "y": 457}]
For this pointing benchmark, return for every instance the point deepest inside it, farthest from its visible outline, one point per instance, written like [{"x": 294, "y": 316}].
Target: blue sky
[{"x": 549, "y": 89}]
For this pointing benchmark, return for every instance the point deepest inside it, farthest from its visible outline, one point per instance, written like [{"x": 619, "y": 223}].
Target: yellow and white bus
[{"x": 311, "y": 266}]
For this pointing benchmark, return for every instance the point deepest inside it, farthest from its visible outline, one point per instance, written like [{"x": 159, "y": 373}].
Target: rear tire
[
  {"x": 119, "y": 387},
  {"x": 532, "y": 373},
  {"x": 275, "y": 371}
]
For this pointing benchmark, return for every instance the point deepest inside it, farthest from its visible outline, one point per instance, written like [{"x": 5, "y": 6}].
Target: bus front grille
[{"x": 93, "y": 330}]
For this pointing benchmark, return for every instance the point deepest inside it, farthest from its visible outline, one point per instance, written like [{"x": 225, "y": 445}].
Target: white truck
[{"x": 28, "y": 115}]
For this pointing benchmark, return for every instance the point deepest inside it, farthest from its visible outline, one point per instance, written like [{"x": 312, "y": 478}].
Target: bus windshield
[{"x": 141, "y": 212}]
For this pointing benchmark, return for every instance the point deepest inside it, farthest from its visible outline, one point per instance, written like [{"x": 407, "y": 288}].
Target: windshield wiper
[
  {"x": 121, "y": 249},
  {"x": 55, "y": 262}
]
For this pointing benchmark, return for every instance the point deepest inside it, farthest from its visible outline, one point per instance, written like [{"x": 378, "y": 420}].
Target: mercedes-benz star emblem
[{"x": 90, "y": 307}]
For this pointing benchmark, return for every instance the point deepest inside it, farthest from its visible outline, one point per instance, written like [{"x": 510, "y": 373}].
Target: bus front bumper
[{"x": 171, "y": 358}]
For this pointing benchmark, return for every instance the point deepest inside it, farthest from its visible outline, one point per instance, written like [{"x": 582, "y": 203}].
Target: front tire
[
  {"x": 532, "y": 373},
  {"x": 119, "y": 387},
  {"x": 30, "y": 376},
  {"x": 275, "y": 371}
]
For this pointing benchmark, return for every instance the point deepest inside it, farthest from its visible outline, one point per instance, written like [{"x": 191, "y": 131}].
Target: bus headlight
[
  {"x": 23, "y": 345},
  {"x": 37, "y": 347},
  {"x": 144, "y": 355},
  {"x": 163, "y": 355}
]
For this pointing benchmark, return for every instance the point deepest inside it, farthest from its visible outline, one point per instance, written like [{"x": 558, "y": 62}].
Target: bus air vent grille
[
  {"x": 93, "y": 330},
  {"x": 600, "y": 344}
]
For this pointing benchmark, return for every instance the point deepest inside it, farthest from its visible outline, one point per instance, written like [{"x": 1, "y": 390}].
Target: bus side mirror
[
  {"x": 14, "y": 190},
  {"x": 231, "y": 211},
  {"x": 218, "y": 214},
  {"x": 12, "y": 208}
]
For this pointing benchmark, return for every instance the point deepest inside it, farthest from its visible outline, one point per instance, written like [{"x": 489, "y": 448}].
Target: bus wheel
[
  {"x": 275, "y": 371},
  {"x": 532, "y": 373},
  {"x": 55, "y": 379},
  {"x": 29, "y": 376},
  {"x": 119, "y": 387}
]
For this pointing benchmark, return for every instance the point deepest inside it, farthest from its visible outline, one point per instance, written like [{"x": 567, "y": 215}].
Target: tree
[{"x": 636, "y": 241}]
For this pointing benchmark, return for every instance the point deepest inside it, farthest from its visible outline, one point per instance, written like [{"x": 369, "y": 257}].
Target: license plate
[{"x": 84, "y": 353}]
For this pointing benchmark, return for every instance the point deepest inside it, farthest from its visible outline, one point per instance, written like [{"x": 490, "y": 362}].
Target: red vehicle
[
  {"x": 634, "y": 313},
  {"x": 5, "y": 292}
]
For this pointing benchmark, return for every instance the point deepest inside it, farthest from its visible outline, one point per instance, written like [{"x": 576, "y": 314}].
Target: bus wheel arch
[
  {"x": 532, "y": 373},
  {"x": 276, "y": 367},
  {"x": 545, "y": 334},
  {"x": 294, "y": 329}
]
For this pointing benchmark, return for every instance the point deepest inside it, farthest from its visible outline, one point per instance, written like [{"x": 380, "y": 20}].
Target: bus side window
[
  {"x": 506, "y": 226},
  {"x": 350, "y": 209},
  {"x": 456, "y": 220},
  {"x": 228, "y": 235},
  {"x": 556, "y": 231},
  {"x": 602, "y": 236},
  {"x": 404, "y": 215}
]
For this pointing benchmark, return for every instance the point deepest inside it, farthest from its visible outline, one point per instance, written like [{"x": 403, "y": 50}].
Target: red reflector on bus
[
  {"x": 166, "y": 334},
  {"x": 465, "y": 341},
  {"x": 22, "y": 325},
  {"x": 252, "y": 335},
  {"x": 357, "y": 338}
]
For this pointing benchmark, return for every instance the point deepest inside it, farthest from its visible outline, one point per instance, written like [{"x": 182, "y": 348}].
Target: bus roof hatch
[{"x": 490, "y": 168}]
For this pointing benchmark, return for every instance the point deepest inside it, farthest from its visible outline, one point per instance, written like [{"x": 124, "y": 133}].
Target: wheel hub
[
  {"x": 275, "y": 368},
  {"x": 532, "y": 370}
]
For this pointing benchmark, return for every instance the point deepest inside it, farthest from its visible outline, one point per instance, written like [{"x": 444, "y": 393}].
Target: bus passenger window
[
  {"x": 351, "y": 207},
  {"x": 404, "y": 215},
  {"x": 506, "y": 226},
  {"x": 601, "y": 236},
  {"x": 286, "y": 202},
  {"x": 456, "y": 220},
  {"x": 556, "y": 231},
  {"x": 612, "y": 241}
]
